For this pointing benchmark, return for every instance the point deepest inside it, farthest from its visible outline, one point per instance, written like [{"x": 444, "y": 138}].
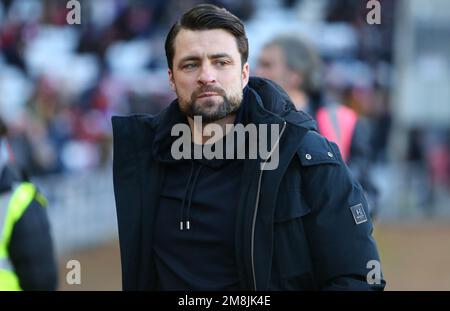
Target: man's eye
[
  {"x": 190, "y": 66},
  {"x": 221, "y": 63}
]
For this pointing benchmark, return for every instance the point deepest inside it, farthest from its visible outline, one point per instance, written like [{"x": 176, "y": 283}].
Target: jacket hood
[{"x": 275, "y": 100}]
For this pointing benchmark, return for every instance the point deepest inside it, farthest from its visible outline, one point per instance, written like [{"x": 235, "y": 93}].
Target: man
[
  {"x": 230, "y": 224},
  {"x": 296, "y": 66},
  {"x": 26, "y": 250}
]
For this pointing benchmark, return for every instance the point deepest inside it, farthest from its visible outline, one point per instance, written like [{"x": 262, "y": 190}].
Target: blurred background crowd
[{"x": 60, "y": 84}]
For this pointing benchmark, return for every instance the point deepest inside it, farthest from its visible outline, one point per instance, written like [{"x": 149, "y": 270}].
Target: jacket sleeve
[
  {"x": 338, "y": 228},
  {"x": 31, "y": 250}
]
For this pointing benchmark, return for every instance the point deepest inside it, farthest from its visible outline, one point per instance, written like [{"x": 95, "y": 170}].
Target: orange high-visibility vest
[{"x": 337, "y": 123}]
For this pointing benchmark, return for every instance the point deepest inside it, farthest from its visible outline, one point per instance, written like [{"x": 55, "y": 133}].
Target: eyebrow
[{"x": 210, "y": 56}]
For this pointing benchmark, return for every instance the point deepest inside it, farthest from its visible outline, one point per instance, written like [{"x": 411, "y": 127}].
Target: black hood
[{"x": 271, "y": 102}]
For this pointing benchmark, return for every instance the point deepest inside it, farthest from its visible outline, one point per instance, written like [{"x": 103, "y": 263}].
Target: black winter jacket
[{"x": 296, "y": 226}]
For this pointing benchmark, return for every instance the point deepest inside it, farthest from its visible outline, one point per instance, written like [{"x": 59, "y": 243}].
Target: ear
[
  {"x": 245, "y": 74},
  {"x": 171, "y": 80}
]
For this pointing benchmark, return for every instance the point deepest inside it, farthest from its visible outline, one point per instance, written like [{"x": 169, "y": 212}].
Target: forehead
[{"x": 202, "y": 42}]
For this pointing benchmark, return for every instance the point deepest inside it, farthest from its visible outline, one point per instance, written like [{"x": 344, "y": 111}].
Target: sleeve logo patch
[{"x": 358, "y": 214}]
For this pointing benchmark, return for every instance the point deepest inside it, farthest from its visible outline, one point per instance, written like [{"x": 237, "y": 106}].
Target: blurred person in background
[
  {"x": 26, "y": 251},
  {"x": 296, "y": 66},
  {"x": 221, "y": 224}
]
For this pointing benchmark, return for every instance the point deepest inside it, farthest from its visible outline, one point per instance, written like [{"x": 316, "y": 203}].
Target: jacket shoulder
[
  {"x": 300, "y": 118},
  {"x": 315, "y": 149},
  {"x": 133, "y": 132},
  {"x": 126, "y": 125}
]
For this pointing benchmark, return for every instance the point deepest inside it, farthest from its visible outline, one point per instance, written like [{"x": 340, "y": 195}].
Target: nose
[{"x": 206, "y": 75}]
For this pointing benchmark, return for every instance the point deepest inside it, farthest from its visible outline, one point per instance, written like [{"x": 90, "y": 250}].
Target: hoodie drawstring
[
  {"x": 188, "y": 209},
  {"x": 185, "y": 220},
  {"x": 185, "y": 195}
]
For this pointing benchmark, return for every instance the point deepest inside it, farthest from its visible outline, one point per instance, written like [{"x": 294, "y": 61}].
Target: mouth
[{"x": 207, "y": 94}]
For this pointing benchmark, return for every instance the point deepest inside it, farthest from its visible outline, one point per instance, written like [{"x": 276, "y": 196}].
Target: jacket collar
[{"x": 264, "y": 102}]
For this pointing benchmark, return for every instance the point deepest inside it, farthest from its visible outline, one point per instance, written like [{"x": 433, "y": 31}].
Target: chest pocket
[
  {"x": 290, "y": 204},
  {"x": 291, "y": 262},
  {"x": 292, "y": 266}
]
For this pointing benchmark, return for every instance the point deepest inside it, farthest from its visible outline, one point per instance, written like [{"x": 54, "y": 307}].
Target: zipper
[{"x": 257, "y": 203}]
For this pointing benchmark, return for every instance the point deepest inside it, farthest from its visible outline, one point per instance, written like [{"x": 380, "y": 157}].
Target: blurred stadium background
[{"x": 60, "y": 84}]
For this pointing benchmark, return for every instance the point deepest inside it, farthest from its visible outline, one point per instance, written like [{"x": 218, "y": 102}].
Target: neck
[{"x": 201, "y": 132}]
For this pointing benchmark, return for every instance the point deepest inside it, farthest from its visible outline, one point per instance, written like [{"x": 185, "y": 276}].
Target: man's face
[
  {"x": 272, "y": 65},
  {"x": 207, "y": 74}
]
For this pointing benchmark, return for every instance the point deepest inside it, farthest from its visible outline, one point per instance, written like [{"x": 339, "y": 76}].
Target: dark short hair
[{"x": 206, "y": 17}]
